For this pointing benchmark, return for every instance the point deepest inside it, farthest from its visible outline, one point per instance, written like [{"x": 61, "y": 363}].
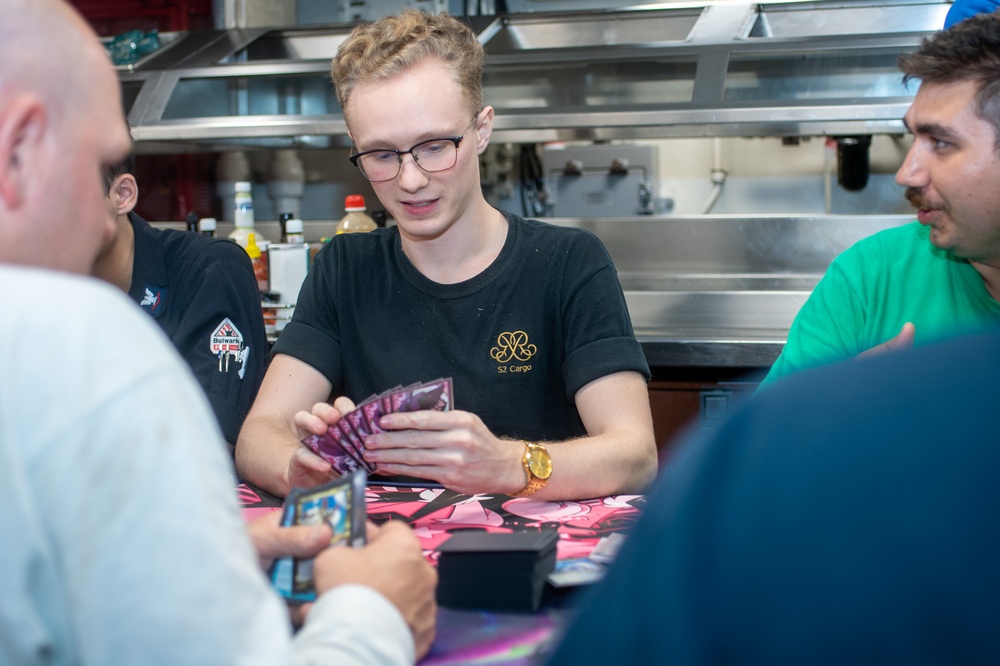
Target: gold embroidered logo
[{"x": 513, "y": 347}]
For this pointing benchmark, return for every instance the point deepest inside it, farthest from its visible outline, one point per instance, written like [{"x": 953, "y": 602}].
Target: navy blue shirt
[
  {"x": 203, "y": 293},
  {"x": 848, "y": 515}
]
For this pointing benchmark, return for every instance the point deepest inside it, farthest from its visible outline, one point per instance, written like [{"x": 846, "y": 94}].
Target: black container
[{"x": 852, "y": 162}]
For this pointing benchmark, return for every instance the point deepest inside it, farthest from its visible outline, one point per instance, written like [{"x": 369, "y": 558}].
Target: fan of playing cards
[{"x": 343, "y": 444}]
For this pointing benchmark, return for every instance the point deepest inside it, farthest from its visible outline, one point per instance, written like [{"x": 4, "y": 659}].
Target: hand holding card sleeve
[
  {"x": 343, "y": 444},
  {"x": 341, "y": 505}
]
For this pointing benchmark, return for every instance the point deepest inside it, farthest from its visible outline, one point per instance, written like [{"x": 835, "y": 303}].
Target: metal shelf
[{"x": 714, "y": 69}]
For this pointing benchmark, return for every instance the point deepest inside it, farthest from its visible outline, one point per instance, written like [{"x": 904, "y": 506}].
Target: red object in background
[
  {"x": 113, "y": 17},
  {"x": 170, "y": 186}
]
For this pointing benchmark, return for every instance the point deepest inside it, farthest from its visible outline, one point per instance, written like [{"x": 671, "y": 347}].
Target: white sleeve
[
  {"x": 357, "y": 623},
  {"x": 158, "y": 566},
  {"x": 146, "y": 540}
]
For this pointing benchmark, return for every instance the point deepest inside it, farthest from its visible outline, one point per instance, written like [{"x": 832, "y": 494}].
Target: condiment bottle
[
  {"x": 242, "y": 214},
  {"x": 283, "y": 223},
  {"x": 356, "y": 219},
  {"x": 207, "y": 226},
  {"x": 293, "y": 231},
  {"x": 259, "y": 263}
]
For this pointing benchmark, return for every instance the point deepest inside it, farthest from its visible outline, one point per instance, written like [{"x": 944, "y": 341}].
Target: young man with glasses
[{"x": 528, "y": 319}]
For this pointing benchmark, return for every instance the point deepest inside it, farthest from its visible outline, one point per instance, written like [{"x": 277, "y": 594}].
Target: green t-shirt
[{"x": 876, "y": 286}]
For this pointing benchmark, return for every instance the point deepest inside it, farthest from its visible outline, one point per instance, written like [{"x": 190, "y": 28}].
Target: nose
[
  {"x": 411, "y": 177},
  {"x": 913, "y": 173}
]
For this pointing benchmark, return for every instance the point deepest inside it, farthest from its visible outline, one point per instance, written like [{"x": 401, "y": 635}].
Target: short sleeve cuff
[{"x": 602, "y": 358}]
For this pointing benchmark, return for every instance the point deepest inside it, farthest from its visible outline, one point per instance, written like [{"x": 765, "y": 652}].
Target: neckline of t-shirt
[
  {"x": 466, "y": 287},
  {"x": 966, "y": 271}
]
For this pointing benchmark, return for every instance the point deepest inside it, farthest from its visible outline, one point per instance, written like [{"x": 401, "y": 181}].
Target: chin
[
  {"x": 938, "y": 240},
  {"x": 425, "y": 228},
  {"x": 943, "y": 240}
]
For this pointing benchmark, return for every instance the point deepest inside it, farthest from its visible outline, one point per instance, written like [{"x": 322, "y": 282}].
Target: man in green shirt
[{"x": 941, "y": 274}]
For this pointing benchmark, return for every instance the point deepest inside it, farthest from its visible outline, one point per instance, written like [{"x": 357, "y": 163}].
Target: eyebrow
[
  {"x": 934, "y": 129},
  {"x": 426, "y": 136}
]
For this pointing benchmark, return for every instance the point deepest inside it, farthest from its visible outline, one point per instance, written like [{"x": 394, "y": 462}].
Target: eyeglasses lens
[{"x": 431, "y": 156}]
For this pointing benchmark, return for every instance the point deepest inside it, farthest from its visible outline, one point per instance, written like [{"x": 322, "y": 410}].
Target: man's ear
[
  {"x": 484, "y": 129},
  {"x": 128, "y": 193},
  {"x": 22, "y": 129}
]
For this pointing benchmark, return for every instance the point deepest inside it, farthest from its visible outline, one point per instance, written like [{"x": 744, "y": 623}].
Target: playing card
[
  {"x": 385, "y": 400},
  {"x": 607, "y": 548},
  {"x": 341, "y": 505},
  {"x": 356, "y": 420},
  {"x": 351, "y": 442},
  {"x": 366, "y": 401},
  {"x": 435, "y": 395},
  {"x": 343, "y": 445},
  {"x": 570, "y": 573},
  {"x": 329, "y": 447},
  {"x": 400, "y": 397},
  {"x": 372, "y": 411}
]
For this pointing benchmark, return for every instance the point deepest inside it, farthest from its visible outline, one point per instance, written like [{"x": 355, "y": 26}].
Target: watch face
[{"x": 540, "y": 463}]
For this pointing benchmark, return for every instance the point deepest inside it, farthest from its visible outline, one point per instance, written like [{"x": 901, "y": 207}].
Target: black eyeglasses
[{"x": 432, "y": 155}]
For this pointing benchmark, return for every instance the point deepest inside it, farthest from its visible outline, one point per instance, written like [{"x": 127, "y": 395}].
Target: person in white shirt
[{"x": 122, "y": 538}]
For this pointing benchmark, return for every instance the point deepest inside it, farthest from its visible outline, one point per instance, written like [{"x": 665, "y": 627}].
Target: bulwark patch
[{"x": 227, "y": 345}]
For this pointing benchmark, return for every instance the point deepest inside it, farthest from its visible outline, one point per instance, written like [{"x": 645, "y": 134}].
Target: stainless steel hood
[{"x": 705, "y": 69}]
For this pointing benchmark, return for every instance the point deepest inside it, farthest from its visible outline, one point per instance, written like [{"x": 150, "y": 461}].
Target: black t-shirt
[
  {"x": 203, "y": 293},
  {"x": 519, "y": 339}
]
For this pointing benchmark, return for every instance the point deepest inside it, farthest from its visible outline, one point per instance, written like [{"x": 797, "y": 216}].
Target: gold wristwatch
[{"x": 538, "y": 466}]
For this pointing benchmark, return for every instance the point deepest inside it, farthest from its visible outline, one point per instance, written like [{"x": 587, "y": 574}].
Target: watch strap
[{"x": 535, "y": 483}]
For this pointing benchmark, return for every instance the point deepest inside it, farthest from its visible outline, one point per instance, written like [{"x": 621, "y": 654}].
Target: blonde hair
[{"x": 393, "y": 44}]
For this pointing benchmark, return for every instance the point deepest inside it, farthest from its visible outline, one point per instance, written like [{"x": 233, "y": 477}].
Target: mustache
[{"x": 917, "y": 199}]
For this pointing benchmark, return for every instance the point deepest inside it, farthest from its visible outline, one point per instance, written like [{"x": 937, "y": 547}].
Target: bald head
[
  {"x": 40, "y": 38},
  {"x": 61, "y": 123}
]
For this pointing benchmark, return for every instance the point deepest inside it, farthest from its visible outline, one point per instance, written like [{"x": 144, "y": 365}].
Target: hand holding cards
[
  {"x": 343, "y": 444},
  {"x": 341, "y": 505}
]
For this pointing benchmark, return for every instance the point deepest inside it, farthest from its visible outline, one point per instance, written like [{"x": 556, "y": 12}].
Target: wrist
[{"x": 537, "y": 466}]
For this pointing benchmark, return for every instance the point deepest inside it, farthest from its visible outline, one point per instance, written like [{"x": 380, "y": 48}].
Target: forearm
[
  {"x": 618, "y": 455},
  {"x": 268, "y": 452},
  {"x": 265, "y": 446},
  {"x": 612, "y": 463}
]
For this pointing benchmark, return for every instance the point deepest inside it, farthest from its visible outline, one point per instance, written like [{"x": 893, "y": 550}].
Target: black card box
[{"x": 498, "y": 572}]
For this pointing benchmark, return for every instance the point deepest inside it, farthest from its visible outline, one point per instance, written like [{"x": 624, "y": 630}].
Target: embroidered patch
[
  {"x": 154, "y": 300},
  {"x": 513, "y": 346},
  {"x": 226, "y": 343},
  {"x": 512, "y": 352}
]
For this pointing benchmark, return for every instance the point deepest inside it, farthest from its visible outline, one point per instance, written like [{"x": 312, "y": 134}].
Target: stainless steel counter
[
  {"x": 722, "y": 290},
  {"x": 714, "y": 290},
  {"x": 707, "y": 327}
]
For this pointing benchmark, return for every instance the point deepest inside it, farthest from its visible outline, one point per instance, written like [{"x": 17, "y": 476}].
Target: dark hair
[{"x": 967, "y": 51}]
